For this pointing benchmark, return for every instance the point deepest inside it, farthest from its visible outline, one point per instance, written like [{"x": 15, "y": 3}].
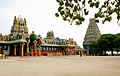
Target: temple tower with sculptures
[
  {"x": 19, "y": 26},
  {"x": 92, "y": 35}
]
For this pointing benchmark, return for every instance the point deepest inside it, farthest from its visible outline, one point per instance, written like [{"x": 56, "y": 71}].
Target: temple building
[
  {"x": 54, "y": 45},
  {"x": 92, "y": 35},
  {"x": 20, "y": 43}
]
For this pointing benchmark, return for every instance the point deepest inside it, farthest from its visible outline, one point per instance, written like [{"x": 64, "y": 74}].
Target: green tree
[
  {"x": 117, "y": 42},
  {"x": 107, "y": 42},
  {"x": 75, "y": 10},
  {"x": 94, "y": 48},
  {"x": 98, "y": 47}
]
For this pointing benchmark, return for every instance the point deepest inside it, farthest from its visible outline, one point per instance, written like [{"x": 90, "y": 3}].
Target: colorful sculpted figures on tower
[{"x": 92, "y": 35}]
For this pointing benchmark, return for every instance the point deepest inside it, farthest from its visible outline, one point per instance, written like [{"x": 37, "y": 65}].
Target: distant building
[
  {"x": 92, "y": 35},
  {"x": 54, "y": 45}
]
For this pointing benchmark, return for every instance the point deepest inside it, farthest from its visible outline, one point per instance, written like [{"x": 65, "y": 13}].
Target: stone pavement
[{"x": 61, "y": 66}]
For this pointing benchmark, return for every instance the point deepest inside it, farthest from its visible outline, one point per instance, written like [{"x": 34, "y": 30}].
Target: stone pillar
[
  {"x": 39, "y": 52},
  {"x": 22, "y": 49},
  {"x": 14, "y": 50},
  {"x": 8, "y": 49},
  {"x": 28, "y": 43}
]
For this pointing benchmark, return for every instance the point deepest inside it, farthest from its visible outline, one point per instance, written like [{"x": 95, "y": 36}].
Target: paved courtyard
[{"x": 61, "y": 66}]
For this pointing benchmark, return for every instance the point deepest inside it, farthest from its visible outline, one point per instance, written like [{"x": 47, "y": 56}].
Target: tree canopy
[
  {"x": 107, "y": 42},
  {"x": 75, "y": 10}
]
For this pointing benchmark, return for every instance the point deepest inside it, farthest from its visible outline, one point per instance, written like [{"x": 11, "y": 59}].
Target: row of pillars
[{"x": 22, "y": 49}]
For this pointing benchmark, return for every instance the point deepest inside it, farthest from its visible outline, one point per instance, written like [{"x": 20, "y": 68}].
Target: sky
[{"x": 41, "y": 19}]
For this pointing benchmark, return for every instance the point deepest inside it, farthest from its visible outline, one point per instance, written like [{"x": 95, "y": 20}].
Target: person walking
[{"x": 80, "y": 54}]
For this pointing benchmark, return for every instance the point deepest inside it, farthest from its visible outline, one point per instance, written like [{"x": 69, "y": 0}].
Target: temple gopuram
[
  {"x": 19, "y": 26},
  {"x": 20, "y": 43},
  {"x": 92, "y": 35}
]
